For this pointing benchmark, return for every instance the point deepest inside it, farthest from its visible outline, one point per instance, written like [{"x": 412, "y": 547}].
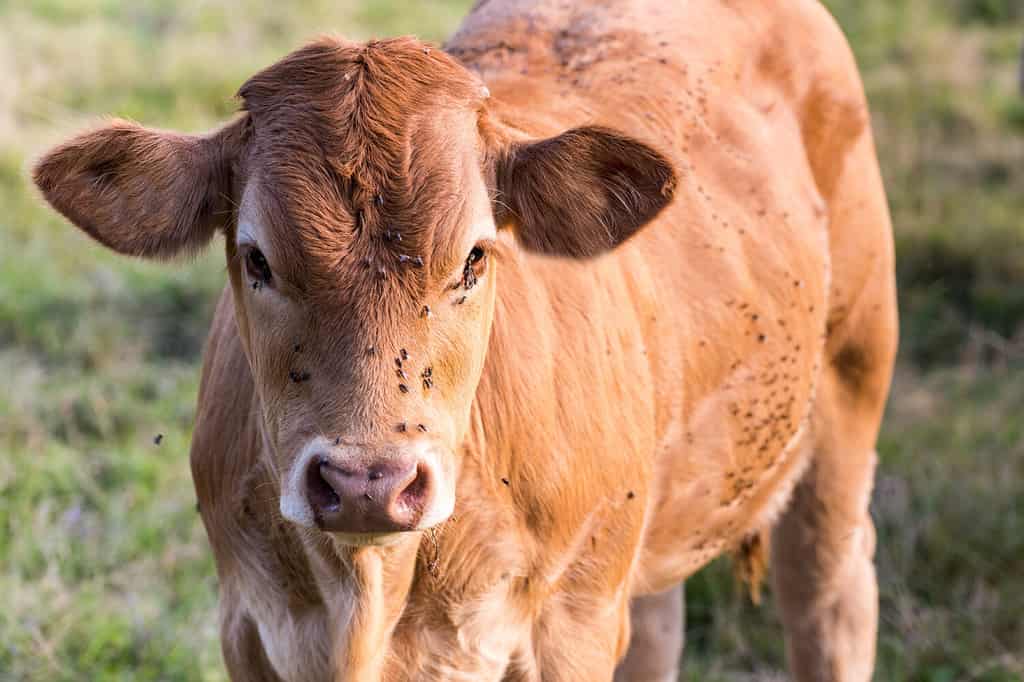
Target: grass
[{"x": 105, "y": 573}]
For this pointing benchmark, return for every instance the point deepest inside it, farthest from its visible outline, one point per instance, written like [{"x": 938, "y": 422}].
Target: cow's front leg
[{"x": 656, "y": 641}]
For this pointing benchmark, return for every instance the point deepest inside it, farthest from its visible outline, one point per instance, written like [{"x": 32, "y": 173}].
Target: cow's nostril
[
  {"x": 413, "y": 497},
  {"x": 322, "y": 496}
]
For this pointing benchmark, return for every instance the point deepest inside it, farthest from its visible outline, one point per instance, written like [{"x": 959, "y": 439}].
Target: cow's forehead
[
  {"x": 363, "y": 157},
  {"x": 325, "y": 235},
  {"x": 353, "y": 93},
  {"x": 372, "y": 128}
]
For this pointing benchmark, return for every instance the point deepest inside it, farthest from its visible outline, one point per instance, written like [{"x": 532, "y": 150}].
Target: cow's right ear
[{"x": 144, "y": 192}]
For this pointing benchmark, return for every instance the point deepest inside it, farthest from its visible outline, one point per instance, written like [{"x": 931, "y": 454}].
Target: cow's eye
[
  {"x": 257, "y": 267},
  {"x": 476, "y": 261}
]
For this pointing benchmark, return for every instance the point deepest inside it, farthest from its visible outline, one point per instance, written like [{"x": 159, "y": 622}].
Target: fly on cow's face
[
  {"x": 473, "y": 268},
  {"x": 468, "y": 276}
]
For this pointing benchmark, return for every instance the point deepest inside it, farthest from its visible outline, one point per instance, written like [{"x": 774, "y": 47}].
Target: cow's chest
[
  {"x": 501, "y": 636},
  {"x": 478, "y": 640}
]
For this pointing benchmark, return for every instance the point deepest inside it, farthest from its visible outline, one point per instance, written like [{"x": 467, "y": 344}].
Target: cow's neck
[
  {"x": 362, "y": 590},
  {"x": 365, "y": 590}
]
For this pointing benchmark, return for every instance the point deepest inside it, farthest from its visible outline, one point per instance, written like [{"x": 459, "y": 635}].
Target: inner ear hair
[
  {"x": 581, "y": 193},
  {"x": 144, "y": 192}
]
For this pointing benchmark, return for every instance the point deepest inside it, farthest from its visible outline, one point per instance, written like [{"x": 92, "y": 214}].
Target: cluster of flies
[{"x": 467, "y": 281}]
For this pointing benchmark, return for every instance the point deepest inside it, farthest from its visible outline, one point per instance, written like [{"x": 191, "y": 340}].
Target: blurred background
[{"x": 105, "y": 573}]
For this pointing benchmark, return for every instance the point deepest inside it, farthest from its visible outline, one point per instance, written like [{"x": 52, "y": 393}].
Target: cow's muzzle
[
  {"x": 383, "y": 497},
  {"x": 358, "y": 491}
]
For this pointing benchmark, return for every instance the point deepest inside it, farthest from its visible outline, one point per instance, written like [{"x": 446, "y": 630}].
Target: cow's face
[
  {"x": 368, "y": 200},
  {"x": 365, "y": 314},
  {"x": 363, "y": 266}
]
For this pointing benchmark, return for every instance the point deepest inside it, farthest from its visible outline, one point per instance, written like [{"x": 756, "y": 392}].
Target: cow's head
[{"x": 368, "y": 199}]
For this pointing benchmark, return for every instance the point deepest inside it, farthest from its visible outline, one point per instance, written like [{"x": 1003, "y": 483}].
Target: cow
[{"x": 525, "y": 330}]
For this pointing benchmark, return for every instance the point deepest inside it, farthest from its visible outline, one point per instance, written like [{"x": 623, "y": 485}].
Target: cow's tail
[{"x": 750, "y": 561}]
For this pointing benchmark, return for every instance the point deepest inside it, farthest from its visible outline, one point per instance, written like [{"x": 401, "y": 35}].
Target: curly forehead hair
[{"x": 351, "y": 143}]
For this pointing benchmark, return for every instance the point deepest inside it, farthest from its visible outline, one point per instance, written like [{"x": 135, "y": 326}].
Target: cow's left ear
[{"x": 581, "y": 193}]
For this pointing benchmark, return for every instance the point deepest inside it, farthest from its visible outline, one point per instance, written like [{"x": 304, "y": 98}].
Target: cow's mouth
[{"x": 370, "y": 539}]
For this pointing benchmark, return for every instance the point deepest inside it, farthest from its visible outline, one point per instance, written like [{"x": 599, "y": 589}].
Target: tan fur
[{"x": 686, "y": 315}]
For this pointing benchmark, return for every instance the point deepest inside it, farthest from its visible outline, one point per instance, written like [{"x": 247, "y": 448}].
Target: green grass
[{"x": 105, "y": 573}]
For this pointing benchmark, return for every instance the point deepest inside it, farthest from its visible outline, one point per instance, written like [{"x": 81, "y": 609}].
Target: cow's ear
[
  {"x": 144, "y": 192},
  {"x": 581, "y": 193}
]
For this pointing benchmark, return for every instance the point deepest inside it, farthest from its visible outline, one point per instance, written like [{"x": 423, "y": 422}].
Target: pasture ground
[{"x": 105, "y": 572}]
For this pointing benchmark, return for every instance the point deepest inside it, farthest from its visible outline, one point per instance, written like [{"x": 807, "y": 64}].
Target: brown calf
[{"x": 456, "y": 411}]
